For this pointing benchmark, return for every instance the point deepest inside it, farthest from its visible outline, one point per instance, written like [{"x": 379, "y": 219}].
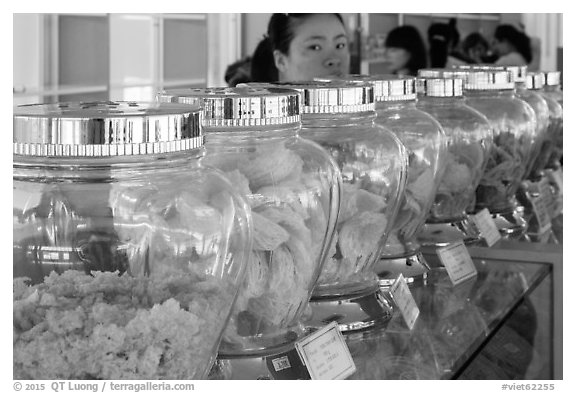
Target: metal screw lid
[
  {"x": 105, "y": 128},
  {"x": 240, "y": 106},
  {"x": 439, "y": 87},
  {"x": 551, "y": 78},
  {"x": 518, "y": 72},
  {"x": 330, "y": 96},
  {"x": 387, "y": 87},
  {"x": 474, "y": 79},
  {"x": 534, "y": 80}
]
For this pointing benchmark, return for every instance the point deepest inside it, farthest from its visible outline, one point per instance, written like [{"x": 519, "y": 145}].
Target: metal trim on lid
[
  {"x": 243, "y": 106},
  {"x": 439, "y": 87},
  {"x": 105, "y": 128},
  {"x": 535, "y": 80},
  {"x": 474, "y": 79},
  {"x": 551, "y": 78},
  {"x": 330, "y": 95},
  {"x": 518, "y": 72}
]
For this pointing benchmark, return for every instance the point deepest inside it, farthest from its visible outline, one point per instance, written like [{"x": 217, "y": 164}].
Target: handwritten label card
[
  {"x": 325, "y": 354},
  {"x": 487, "y": 227},
  {"x": 404, "y": 300},
  {"x": 457, "y": 261},
  {"x": 540, "y": 208}
]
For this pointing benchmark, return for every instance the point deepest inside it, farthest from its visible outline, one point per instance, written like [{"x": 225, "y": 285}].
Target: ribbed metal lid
[
  {"x": 518, "y": 72},
  {"x": 534, "y": 80},
  {"x": 474, "y": 79},
  {"x": 552, "y": 78},
  {"x": 439, "y": 87},
  {"x": 387, "y": 87},
  {"x": 240, "y": 106},
  {"x": 105, "y": 128},
  {"x": 330, "y": 96}
]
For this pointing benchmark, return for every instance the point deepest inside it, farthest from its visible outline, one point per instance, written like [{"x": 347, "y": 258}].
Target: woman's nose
[{"x": 332, "y": 62}]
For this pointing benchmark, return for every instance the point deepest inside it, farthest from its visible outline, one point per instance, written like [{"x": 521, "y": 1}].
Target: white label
[
  {"x": 488, "y": 229},
  {"x": 281, "y": 363},
  {"x": 404, "y": 300},
  {"x": 457, "y": 261},
  {"x": 541, "y": 211},
  {"x": 325, "y": 354}
]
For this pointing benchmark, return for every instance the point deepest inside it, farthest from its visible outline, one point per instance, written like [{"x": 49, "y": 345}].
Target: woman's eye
[
  {"x": 341, "y": 45},
  {"x": 314, "y": 47}
]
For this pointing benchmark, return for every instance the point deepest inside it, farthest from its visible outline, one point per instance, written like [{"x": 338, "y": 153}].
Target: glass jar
[
  {"x": 128, "y": 253},
  {"x": 535, "y": 83},
  {"x": 553, "y": 92},
  {"x": 491, "y": 92},
  {"x": 469, "y": 136},
  {"x": 293, "y": 188},
  {"x": 426, "y": 144},
  {"x": 339, "y": 116}
]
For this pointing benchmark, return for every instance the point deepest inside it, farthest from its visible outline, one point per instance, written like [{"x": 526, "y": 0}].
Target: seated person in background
[
  {"x": 405, "y": 51},
  {"x": 238, "y": 72},
  {"x": 511, "y": 46},
  {"x": 475, "y": 48},
  {"x": 300, "y": 47},
  {"x": 443, "y": 40}
]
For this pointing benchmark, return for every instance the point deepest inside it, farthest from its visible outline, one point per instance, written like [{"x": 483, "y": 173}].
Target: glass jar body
[
  {"x": 514, "y": 125},
  {"x": 555, "y": 130},
  {"x": 425, "y": 143},
  {"x": 540, "y": 107},
  {"x": 128, "y": 256},
  {"x": 373, "y": 163},
  {"x": 469, "y": 140},
  {"x": 293, "y": 189}
]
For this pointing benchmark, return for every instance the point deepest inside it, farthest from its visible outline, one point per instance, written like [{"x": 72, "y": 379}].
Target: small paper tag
[
  {"x": 487, "y": 227},
  {"x": 404, "y": 301},
  {"x": 325, "y": 354},
  {"x": 541, "y": 211},
  {"x": 457, "y": 261}
]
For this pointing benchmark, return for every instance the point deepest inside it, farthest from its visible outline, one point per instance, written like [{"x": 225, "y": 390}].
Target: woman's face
[
  {"x": 396, "y": 58},
  {"x": 319, "y": 49},
  {"x": 501, "y": 48}
]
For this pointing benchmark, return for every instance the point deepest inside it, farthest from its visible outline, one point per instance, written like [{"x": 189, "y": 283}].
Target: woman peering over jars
[{"x": 301, "y": 47}]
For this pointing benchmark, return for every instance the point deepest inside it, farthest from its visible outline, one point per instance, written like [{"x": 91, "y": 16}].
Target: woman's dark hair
[
  {"x": 238, "y": 72},
  {"x": 516, "y": 38},
  {"x": 407, "y": 37},
  {"x": 280, "y": 33},
  {"x": 474, "y": 39},
  {"x": 442, "y": 39}
]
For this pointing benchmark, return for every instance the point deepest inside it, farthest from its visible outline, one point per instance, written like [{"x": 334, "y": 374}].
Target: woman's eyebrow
[{"x": 315, "y": 37}]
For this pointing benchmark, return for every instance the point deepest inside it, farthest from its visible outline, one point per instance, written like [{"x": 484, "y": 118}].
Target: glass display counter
[{"x": 504, "y": 323}]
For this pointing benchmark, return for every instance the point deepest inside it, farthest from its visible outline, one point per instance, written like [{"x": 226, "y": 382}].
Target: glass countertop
[{"x": 454, "y": 324}]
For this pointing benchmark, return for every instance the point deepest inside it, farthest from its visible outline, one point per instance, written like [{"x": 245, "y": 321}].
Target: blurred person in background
[
  {"x": 238, "y": 72},
  {"x": 300, "y": 47},
  {"x": 511, "y": 46},
  {"x": 443, "y": 40},
  {"x": 475, "y": 47},
  {"x": 405, "y": 51}
]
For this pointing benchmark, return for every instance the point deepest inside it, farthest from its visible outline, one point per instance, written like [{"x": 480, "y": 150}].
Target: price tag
[
  {"x": 325, "y": 354},
  {"x": 487, "y": 227},
  {"x": 404, "y": 301},
  {"x": 545, "y": 189},
  {"x": 457, "y": 261},
  {"x": 541, "y": 211}
]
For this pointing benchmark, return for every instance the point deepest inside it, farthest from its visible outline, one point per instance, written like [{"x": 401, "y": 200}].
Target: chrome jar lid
[
  {"x": 105, "y": 128},
  {"x": 551, "y": 78},
  {"x": 518, "y": 72},
  {"x": 474, "y": 79},
  {"x": 439, "y": 87},
  {"x": 534, "y": 80},
  {"x": 330, "y": 96},
  {"x": 387, "y": 87},
  {"x": 240, "y": 106}
]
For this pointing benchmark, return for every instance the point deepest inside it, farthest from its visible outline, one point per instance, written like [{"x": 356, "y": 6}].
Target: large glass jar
[
  {"x": 553, "y": 92},
  {"x": 469, "y": 136},
  {"x": 340, "y": 116},
  {"x": 128, "y": 252},
  {"x": 536, "y": 101},
  {"x": 293, "y": 188},
  {"x": 535, "y": 83},
  {"x": 426, "y": 144},
  {"x": 491, "y": 92}
]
